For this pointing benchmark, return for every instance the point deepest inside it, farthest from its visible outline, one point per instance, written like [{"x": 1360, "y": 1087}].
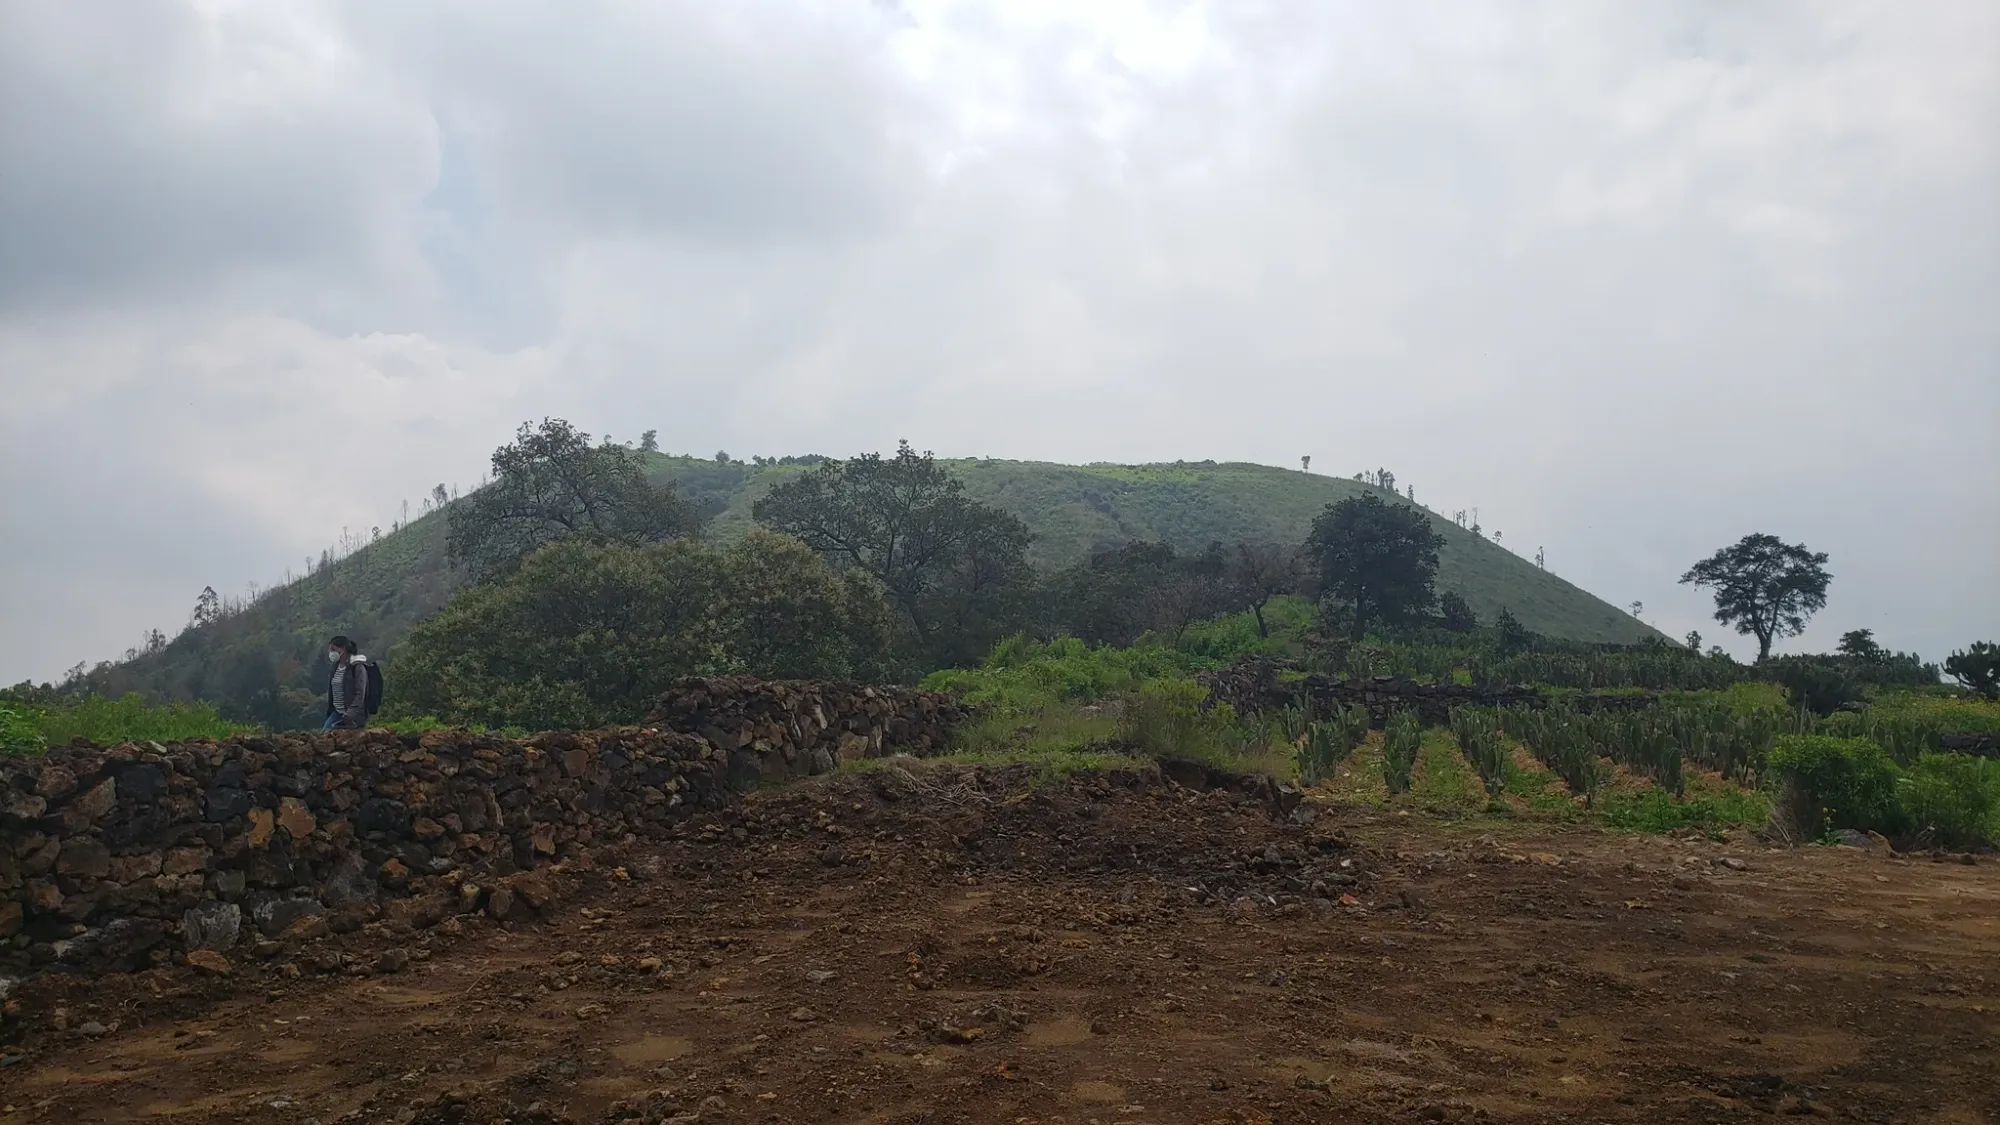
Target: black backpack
[{"x": 373, "y": 694}]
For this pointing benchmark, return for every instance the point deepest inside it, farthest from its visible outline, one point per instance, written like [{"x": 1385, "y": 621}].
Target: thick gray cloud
[{"x": 1634, "y": 282}]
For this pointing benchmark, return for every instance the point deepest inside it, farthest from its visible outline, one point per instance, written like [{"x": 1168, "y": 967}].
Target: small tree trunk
[{"x": 1257, "y": 609}]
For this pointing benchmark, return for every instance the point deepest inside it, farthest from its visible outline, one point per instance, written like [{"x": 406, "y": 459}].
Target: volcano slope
[{"x": 944, "y": 943}]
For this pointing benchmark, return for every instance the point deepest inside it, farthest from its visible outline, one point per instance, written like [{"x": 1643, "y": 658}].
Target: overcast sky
[{"x": 1633, "y": 279}]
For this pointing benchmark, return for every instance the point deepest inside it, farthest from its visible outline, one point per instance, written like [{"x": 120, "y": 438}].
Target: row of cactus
[
  {"x": 1321, "y": 744},
  {"x": 1478, "y": 732},
  {"x": 1402, "y": 738},
  {"x": 1651, "y": 743},
  {"x": 1562, "y": 743}
]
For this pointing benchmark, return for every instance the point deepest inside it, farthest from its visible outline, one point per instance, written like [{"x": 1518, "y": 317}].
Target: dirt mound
[{"x": 926, "y": 942}]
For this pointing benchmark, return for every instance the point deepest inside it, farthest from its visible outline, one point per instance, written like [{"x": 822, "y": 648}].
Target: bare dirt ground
[{"x": 947, "y": 944}]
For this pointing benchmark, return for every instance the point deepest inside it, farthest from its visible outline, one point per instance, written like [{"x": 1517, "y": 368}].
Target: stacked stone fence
[
  {"x": 117, "y": 858},
  {"x": 1264, "y": 684}
]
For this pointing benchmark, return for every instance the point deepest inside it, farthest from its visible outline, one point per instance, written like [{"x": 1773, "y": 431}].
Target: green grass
[
  {"x": 1709, "y": 806},
  {"x": 1048, "y": 763},
  {"x": 1057, "y": 739},
  {"x": 1445, "y": 783},
  {"x": 130, "y": 718},
  {"x": 1963, "y": 715},
  {"x": 1021, "y": 676},
  {"x": 1537, "y": 790}
]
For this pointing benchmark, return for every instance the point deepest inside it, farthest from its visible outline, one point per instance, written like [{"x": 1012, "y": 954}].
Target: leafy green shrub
[
  {"x": 1821, "y": 686},
  {"x": 1954, "y": 797},
  {"x": 580, "y": 636},
  {"x": 20, "y": 730},
  {"x": 1402, "y": 741},
  {"x": 1166, "y": 718},
  {"x": 1838, "y": 782}
]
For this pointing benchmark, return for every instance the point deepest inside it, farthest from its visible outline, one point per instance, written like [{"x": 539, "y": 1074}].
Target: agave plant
[
  {"x": 1478, "y": 735},
  {"x": 1401, "y": 739}
]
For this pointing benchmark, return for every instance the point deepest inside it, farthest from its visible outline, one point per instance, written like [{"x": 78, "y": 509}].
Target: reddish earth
[{"x": 942, "y": 944}]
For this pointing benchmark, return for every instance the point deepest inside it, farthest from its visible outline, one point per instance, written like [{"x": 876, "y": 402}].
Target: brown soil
[{"x": 943, "y": 944}]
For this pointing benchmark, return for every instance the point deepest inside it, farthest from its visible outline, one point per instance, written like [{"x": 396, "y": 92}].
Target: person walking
[{"x": 347, "y": 688}]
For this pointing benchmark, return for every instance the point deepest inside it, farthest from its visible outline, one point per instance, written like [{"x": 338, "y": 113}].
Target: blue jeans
[{"x": 332, "y": 723}]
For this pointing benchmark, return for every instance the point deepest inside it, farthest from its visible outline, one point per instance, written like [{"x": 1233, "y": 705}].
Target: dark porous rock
[
  {"x": 227, "y": 804},
  {"x": 212, "y": 925},
  {"x": 143, "y": 781}
]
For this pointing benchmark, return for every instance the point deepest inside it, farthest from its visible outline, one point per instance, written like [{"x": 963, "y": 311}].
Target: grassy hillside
[
  {"x": 260, "y": 660},
  {"x": 1077, "y": 509}
]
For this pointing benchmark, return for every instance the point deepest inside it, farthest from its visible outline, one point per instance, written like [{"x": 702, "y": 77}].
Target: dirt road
[{"x": 944, "y": 945}]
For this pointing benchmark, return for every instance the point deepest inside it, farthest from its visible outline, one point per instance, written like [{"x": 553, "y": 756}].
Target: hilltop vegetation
[
  {"x": 260, "y": 661},
  {"x": 1077, "y": 510}
]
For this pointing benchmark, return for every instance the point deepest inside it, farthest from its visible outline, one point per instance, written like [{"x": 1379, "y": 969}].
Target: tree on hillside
[
  {"x": 1102, "y": 601},
  {"x": 207, "y": 608},
  {"x": 1764, "y": 587},
  {"x": 1379, "y": 559},
  {"x": 649, "y": 442},
  {"x": 1978, "y": 668},
  {"x": 950, "y": 565},
  {"x": 1457, "y": 613},
  {"x": 581, "y": 635},
  {"x": 550, "y": 484},
  {"x": 1262, "y": 571},
  {"x": 1860, "y": 644}
]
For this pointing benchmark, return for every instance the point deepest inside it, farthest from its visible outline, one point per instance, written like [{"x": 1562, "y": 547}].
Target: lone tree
[
  {"x": 1860, "y": 644},
  {"x": 948, "y": 563},
  {"x": 1380, "y": 559},
  {"x": 1457, "y": 613},
  {"x": 1764, "y": 587},
  {"x": 551, "y": 484},
  {"x": 1262, "y": 571}
]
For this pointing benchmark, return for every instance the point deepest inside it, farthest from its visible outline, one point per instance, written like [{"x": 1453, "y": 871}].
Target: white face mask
[{"x": 333, "y": 657}]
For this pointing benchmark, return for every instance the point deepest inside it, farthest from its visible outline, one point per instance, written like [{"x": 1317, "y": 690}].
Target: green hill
[
  {"x": 1075, "y": 510},
  {"x": 260, "y": 660}
]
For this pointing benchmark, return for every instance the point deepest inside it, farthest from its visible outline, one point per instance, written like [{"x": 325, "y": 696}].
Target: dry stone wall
[{"x": 115, "y": 858}]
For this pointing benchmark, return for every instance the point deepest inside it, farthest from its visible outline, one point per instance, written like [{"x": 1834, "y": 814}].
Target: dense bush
[
  {"x": 62, "y": 719},
  {"x": 20, "y": 730},
  {"x": 1837, "y": 782},
  {"x": 582, "y": 636},
  {"x": 1170, "y": 718},
  {"x": 1953, "y": 797}
]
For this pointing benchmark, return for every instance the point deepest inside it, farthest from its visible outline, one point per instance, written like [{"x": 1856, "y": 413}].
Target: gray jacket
[{"x": 354, "y": 696}]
